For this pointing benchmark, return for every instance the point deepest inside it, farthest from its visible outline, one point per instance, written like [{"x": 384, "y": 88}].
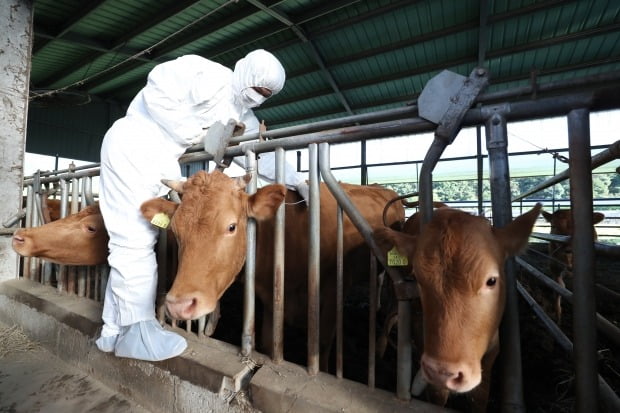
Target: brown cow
[
  {"x": 561, "y": 254},
  {"x": 210, "y": 227},
  {"x": 50, "y": 208},
  {"x": 458, "y": 261},
  {"x": 79, "y": 239}
]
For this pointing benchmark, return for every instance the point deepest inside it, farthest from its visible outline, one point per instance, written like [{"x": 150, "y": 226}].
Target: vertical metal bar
[
  {"x": 584, "y": 311},
  {"x": 35, "y": 274},
  {"x": 426, "y": 179},
  {"x": 314, "y": 271},
  {"x": 27, "y": 224},
  {"x": 497, "y": 145},
  {"x": 364, "y": 164},
  {"x": 61, "y": 273},
  {"x": 249, "y": 316},
  {"x": 105, "y": 274},
  {"x": 84, "y": 273},
  {"x": 372, "y": 321},
  {"x": 278, "y": 268},
  {"x": 403, "y": 381},
  {"x": 480, "y": 169},
  {"x": 339, "y": 291},
  {"x": 72, "y": 270}
]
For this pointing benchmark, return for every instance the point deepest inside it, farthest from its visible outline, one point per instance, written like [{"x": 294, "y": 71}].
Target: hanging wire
[
  {"x": 554, "y": 154},
  {"x": 133, "y": 57}
]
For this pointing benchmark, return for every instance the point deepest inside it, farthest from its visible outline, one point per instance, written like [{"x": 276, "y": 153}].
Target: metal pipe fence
[
  {"x": 91, "y": 282},
  {"x": 73, "y": 188}
]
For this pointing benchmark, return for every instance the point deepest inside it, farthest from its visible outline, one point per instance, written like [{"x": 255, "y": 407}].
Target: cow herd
[{"x": 457, "y": 260}]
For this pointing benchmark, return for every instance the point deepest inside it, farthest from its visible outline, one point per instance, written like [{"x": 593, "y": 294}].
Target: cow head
[
  {"x": 210, "y": 228},
  {"x": 561, "y": 221},
  {"x": 458, "y": 261},
  {"x": 79, "y": 239}
]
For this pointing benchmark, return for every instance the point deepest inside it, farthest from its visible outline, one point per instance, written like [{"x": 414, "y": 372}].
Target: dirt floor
[{"x": 34, "y": 380}]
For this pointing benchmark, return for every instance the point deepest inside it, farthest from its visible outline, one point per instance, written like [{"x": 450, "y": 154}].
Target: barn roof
[{"x": 342, "y": 57}]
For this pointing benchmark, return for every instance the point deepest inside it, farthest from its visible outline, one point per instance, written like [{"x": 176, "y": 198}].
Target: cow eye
[
  {"x": 232, "y": 228},
  {"x": 491, "y": 282}
]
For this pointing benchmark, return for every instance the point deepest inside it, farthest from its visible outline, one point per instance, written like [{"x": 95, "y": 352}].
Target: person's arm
[
  {"x": 267, "y": 160},
  {"x": 178, "y": 94}
]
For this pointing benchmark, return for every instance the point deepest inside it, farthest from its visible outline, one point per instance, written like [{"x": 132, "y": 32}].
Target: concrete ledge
[
  {"x": 206, "y": 376},
  {"x": 288, "y": 388},
  {"x": 209, "y": 376}
]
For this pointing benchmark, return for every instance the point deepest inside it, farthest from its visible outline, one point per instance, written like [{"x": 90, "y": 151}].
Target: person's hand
[
  {"x": 239, "y": 129},
  {"x": 262, "y": 128}
]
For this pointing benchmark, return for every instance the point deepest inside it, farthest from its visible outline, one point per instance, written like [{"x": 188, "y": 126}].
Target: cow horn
[{"x": 172, "y": 184}]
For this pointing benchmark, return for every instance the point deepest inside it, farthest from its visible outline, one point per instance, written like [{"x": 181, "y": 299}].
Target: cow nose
[
  {"x": 181, "y": 308},
  {"x": 452, "y": 376}
]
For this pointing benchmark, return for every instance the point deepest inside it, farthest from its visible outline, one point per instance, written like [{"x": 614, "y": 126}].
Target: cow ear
[
  {"x": 265, "y": 202},
  {"x": 597, "y": 217},
  {"x": 514, "y": 236},
  {"x": 547, "y": 216},
  {"x": 158, "y": 205},
  {"x": 173, "y": 184},
  {"x": 387, "y": 238}
]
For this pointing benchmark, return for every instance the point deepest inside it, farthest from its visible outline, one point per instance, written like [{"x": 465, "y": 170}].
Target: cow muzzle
[
  {"x": 456, "y": 377},
  {"x": 188, "y": 307}
]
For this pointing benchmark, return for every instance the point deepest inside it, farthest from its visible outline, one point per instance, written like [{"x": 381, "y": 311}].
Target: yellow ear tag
[
  {"x": 161, "y": 220},
  {"x": 394, "y": 259}
]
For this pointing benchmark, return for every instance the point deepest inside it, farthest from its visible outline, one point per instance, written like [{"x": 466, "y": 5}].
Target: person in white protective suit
[{"x": 181, "y": 99}]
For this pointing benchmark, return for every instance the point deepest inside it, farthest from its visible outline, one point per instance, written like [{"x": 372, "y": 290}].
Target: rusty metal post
[
  {"x": 314, "y": 270},
  {"x": 249, "y": 308},
  {"x": 372, "y": 321},
  {"x": 28, "y": 223},
  {"x": 339, "y": 291},
  {"x": 584, "y": 309},
  {"x": 278, "y": 268},
  {"x": 72, "y": 270}
]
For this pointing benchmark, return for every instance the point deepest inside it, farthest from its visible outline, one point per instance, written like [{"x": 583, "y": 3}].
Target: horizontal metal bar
[
  {"x": 601, "y": 158},
  {"x": 605, "y": 326}
]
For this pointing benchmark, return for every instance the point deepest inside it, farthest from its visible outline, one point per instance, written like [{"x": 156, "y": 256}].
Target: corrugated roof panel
[
  {"x": 58, "y": 54},
  {"x": 50, "y": 13}
]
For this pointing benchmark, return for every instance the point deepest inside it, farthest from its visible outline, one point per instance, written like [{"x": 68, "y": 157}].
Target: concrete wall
[{"x": 15, "y": 49}]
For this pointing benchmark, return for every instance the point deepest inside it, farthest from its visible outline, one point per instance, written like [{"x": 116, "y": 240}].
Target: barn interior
[{"x": 356, "y": 71}]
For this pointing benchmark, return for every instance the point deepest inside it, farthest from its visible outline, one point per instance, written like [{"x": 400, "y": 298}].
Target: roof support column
[{"x": 16, "y": 45}]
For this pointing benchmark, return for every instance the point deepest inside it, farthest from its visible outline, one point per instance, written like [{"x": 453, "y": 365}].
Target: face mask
[{"x": 251, "y": 98}]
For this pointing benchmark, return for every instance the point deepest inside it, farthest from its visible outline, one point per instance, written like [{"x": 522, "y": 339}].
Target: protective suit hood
[{"x": 258, "y": 68}]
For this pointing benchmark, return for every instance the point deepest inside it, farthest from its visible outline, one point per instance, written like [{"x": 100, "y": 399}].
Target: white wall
[{"x": 16, "y": 45}]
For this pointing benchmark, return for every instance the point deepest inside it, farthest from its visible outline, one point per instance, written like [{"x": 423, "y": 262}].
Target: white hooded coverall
[{"x": 181, "y": 99}]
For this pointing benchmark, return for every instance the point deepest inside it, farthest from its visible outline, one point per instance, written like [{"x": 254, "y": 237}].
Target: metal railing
[{"x": 387, "y": 124}]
